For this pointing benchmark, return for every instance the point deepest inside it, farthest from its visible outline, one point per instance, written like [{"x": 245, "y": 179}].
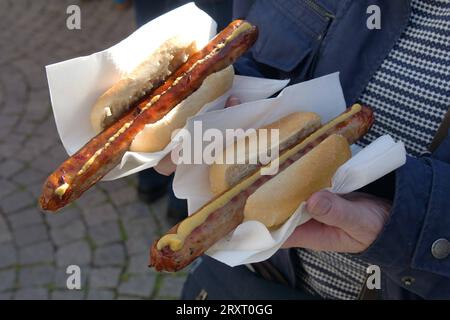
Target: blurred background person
[
  {"x": 123, "y": 4},
  {"x": 220, "y": 10}
]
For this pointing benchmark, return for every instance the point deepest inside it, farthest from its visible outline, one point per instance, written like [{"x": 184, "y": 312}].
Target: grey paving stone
[
  {"x": 8, "y": 255},
  {"x": 36, "y": 253},
  {"x": 134, "y": 210},
  {"x": 30, "y": 149},
  {"x": 171, "y": 287},
  {"x": 36, "y": 188},
  {"x": 160, "y": 205},
  {"x": 5, "y": 235},
  {"x": 6, "y": 187},
  {"x": 10, "y": 115},
  {"x": 26, "y": 218},
  {"x": 67, "y": 295},
  {"x": 4, "y": 132},
  {"x": 6, "y": 295},
  {"x": 114, "y": 185},
  {"x": 36, "y": 115},
  {"x": 33, "y": 149},
  {"x": 138, "y": 285},
  {"x": 120, "y": 297},
  {"x": 45, "y": 164},
  {"x": 8, "y": 149},
  {"x": 123, "y": 195},
  {"x": 159, "y": 211},
  {"x": 29, "y": 176},
  {"x": 9, "y": 168},
  {"x": 16, "y": 90},
  {"x": 63, "y": 217},
  {"x": 36, "y": 78},
  {"x": 68, "y": 233},
  {"x": 36, "y": 276},
  {"x": 77, "y": 253},
  {"x": 31, "y": 294},
  {"x": 145, "y": 227},
  {"x": 136, "y": 245},
  {"x": 95, "y": 294},
  {"x": 104, "y": 277},
  {"x": 105, "y": 233},
  {"x": 29, "y": 235},
  {"x": 25, "y": 127},
  {"x": 111, "y": 255},
  {"x": 48, "y": 129},
  {"x": 60, "y": 279},
  {"x": 139, "y": 263},
  {"x": 7, "y": 278},
  {"x": 92, "y": 198},
  {"x": 19, "y": 139},
  {"x": 17, "y": 200},
  {"x": 101, "y": 214}
]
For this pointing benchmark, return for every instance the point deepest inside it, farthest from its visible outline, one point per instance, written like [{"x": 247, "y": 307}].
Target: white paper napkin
[
  {"x": 252, "y": 241},
  {"x": 76, "y": 84}
]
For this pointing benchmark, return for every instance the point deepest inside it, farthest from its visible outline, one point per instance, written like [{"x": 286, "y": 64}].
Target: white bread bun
[
  {"x": 277, "y": 199},
  {"x": 148, "y": 75},
  {"x": 155, "y": 136},
  {"x": 292, "y": 128}
]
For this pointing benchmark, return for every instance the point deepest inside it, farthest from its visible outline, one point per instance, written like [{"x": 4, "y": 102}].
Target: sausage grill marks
[
  {"x": 102, "y": 153},
  {"x": 224, "y": 213}
]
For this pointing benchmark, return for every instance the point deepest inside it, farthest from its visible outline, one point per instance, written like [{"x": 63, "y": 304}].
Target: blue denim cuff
[
  {"x": 420, "y": 215},
  {"x": 437, "y": 223},
  {"x": 396, "y": 244}
]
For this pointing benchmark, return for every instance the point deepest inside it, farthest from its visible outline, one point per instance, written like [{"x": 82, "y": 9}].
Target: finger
[
  {"x": 333, "y": 210},
  {"x": 317, "y": 236},
  {"x": 232, "y": 101},
  {"x": 166, "y": 166}
]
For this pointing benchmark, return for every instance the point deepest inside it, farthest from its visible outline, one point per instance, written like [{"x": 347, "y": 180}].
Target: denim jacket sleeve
[
  {"x": 420, "y": 215},
  {"x": 421, "y": 204}
]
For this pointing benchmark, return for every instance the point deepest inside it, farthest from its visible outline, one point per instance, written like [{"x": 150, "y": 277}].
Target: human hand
[
  {"x": 347, "y": 223},
  {"x": 166, "y": 166}
]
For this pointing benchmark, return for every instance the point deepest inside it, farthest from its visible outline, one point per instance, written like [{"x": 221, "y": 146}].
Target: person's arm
[
  {"x": 398, "y": 237},
  {"x": 419, "y": 217}
]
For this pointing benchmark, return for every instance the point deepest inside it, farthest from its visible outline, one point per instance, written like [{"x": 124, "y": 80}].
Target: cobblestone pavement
[{"x": 108, "y": 231}]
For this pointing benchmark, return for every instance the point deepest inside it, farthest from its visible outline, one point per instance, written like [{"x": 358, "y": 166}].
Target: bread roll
[
  {"x": 292, "y": 128},
  {"x": 148, "y": 75},
  {"x": 155, "y": 136},
  {"x": 275, "y": 201}
]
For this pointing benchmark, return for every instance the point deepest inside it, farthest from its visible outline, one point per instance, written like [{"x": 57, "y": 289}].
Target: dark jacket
[{"x": 304, "y": 39}]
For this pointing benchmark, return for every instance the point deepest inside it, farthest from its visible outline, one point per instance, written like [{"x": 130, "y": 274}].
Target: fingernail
[
  {"x": 321, "y": 207},
  {"x": 232, "y": 101}
]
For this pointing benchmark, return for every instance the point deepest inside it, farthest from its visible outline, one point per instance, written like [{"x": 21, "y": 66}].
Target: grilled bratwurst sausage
[
  {"x": 104, "y": 152},
  {"x": 196, "y": 234}
]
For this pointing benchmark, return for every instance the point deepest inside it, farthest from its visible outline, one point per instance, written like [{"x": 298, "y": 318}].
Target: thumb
[{"x": 332, "y": 210}]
